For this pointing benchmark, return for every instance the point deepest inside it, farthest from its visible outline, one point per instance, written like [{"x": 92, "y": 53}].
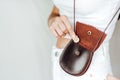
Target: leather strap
[
  {"x": 112, "y": 19},
  {"x": 108, "y": 23},
  {"x": 74, "y": 15},
  {"x": 103, "y": 30}
]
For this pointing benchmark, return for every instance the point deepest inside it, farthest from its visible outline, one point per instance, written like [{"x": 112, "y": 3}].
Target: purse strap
[
  {"x": 107, "y": 24},
  {"x": 103, "y": 30}
]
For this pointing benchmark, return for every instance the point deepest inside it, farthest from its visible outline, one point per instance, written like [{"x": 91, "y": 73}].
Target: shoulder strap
[
  {"x": 104, "y": 29},
  {"x": 107, "y": 24},
  {"x": 112, "y": 19}
]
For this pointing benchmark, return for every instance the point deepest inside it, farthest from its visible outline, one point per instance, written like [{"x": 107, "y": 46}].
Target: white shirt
[{"x": 97, "y": 13}]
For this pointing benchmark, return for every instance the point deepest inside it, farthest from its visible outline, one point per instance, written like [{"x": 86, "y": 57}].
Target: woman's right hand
[{"x": 60, "y": 26}]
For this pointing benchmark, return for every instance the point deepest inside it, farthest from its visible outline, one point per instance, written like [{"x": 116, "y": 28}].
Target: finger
[
  {"x": 58, "y": 30},
  {"x": 69, "y": 27},
  {"x": 62, "y": 27},
  {"x": 64, "y": 32},
  {"x": 58, "y": 36},
  {"x": 54, "y": 32}
]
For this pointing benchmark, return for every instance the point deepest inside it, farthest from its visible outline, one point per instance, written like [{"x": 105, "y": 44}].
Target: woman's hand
[{"x": 60, "y": 26}]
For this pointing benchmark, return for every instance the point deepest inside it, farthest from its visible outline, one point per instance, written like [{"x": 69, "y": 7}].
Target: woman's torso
[{"x": 97, "y": 13}]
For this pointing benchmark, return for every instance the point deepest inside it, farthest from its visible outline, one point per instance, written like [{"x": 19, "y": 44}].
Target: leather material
[
  {"x": 76, "y": 57},
  {"x": 91, "y": 38}
]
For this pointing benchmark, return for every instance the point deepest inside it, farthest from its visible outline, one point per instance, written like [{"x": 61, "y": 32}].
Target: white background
[{"x": 25, "y": 41}]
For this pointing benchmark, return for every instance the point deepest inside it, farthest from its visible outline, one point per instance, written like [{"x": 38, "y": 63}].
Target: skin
[
  {"x": 109, "y": 77},
  {"x": 60, "y": 25}
]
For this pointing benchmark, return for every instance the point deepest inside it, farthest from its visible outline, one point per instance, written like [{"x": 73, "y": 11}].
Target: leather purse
[{"x": 76, "y": 57}]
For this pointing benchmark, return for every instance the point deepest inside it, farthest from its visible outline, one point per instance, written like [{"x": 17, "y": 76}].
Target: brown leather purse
[{"x": 76, "y": 57}]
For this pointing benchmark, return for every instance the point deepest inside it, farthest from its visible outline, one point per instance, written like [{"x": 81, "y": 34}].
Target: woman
[{"x": 97, "y": 13}]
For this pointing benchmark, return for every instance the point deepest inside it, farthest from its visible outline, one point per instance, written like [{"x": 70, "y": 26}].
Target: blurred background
[{"x": 26, "y": 42}]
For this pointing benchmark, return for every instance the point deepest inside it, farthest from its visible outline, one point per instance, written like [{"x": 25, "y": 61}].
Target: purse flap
[{"x": 90, "y": 37}]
